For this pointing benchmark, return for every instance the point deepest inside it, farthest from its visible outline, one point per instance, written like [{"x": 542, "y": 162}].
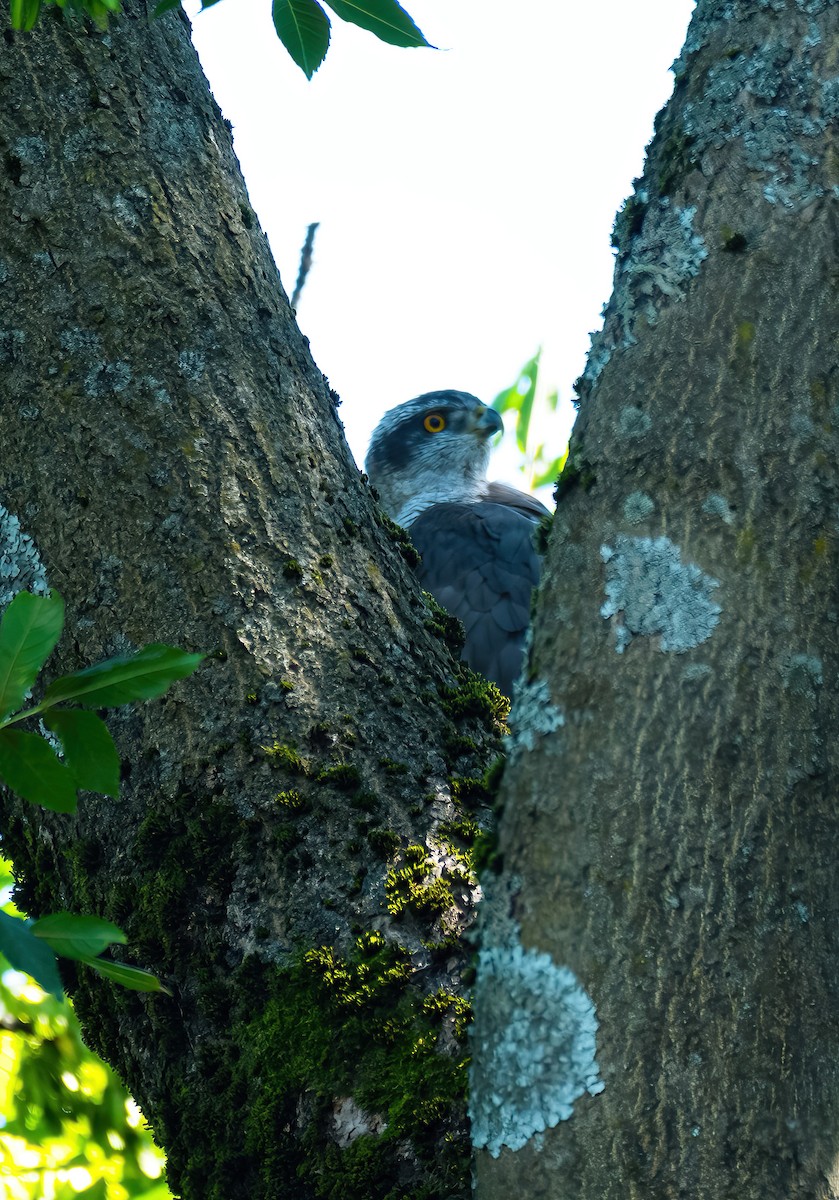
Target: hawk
[{"x": 428, "y": 461}]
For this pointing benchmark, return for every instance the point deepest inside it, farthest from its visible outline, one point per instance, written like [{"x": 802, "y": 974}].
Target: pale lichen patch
[
  {"x": 534, "y": 1052},
  {"x": 802, "y": 674},
  {"x": 717, "y": 506},
  {"x": 533, "y": 715},
  {"x": 653, "y": 268},
  {"x": 21, "y": 568},
  {"x": 652, "y": 593}
]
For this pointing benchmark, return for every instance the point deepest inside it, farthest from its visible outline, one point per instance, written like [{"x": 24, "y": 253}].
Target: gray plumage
[{"x": 428, "y": 460}]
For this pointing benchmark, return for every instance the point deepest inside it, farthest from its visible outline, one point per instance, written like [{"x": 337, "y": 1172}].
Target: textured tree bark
[
  {"x": 670, "y": 840},
  {"x": 288, "y": 852}
]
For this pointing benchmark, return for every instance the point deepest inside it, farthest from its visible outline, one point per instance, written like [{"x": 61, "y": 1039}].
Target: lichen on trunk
[{"x": 670, "y": 839}]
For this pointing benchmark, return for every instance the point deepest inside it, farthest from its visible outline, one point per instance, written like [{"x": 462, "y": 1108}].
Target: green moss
[
  {"x": 286, "y": 758},
  {"x": 543, "y": 533},
  {"x": 444, "y": 1003},
  {"x": 292, "y": 569},
  {"x": 365, "y": 801},
  {"x": 577, "y": 471},
  {"x": 291, "y": 799},
  {"x": 286, "y": 836},
  {"x": 676, "y": 160},
  {"x": 443, "y": 625},
  {"x": 629, "y": 221},
  {"x": 383, "y": 842},
  {"x": 457, "y": 745},
  {"x": 412, "y": 887},
  {"x": 731, "y": 241},
  {"x": 393, "y": 768},
  {"x": 286, "y": 685},
  {"x": 343, "y": 776},
  {"x": 338, "y": 1026},
  {"x": 402, "y": 539},
  {"x": 476, "y": 697}
]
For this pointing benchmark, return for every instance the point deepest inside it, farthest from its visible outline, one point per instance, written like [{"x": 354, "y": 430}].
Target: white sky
[{"x": 465, "y": 196}]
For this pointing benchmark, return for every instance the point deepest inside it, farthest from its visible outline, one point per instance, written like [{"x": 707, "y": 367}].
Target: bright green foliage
[
  {"x": 76, "y": 937},
  {"x": 385, "y": 18},
  {"x": 26, "y": 953},
  {"x": 142, "y": 676},
  {"x": 89, "y": 749},
  {"x": 29, "y": 765},
  {"x": 302, "y": 26},
  {"x": 25, "y": 13},
  {"x": 538, "y": 466},
  {"x": 414, "y": 887},
  {"x": 67, "y": 1126},
  {"x": 30, "y": 629}
]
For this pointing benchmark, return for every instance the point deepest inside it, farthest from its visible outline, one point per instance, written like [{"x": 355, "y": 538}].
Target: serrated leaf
[
  {"x": 142, "y": 676},
  {"x": 303, "y": 28},
  {"x": 79, "y": 937},
  {"x": 89, "y": 749},
  {"x": 30, "y": 628},
  {"x": 29, "y": 767},
  {"x": 26, "y": 953},
  {"x": 387, "y": 19},
  {"x": 24, "y": 14},
  {"x": 131, "y": 977}
]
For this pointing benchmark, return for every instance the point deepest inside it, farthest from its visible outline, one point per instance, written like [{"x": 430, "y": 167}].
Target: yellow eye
[{"x": 434, "y": 422}]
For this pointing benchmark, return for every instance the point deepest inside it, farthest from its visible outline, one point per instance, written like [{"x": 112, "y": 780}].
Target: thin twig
[{"x": 305, "y": 263}]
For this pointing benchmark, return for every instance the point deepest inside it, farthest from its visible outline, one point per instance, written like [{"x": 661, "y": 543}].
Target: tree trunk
[
  {"x": 656, "y": 1011},
  {"x": 290, "y": 849}
]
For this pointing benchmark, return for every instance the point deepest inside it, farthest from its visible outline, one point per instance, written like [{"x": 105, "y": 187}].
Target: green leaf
[
  {"x": 531, "y": 375},
  {"x": 166, "y": 6},
  {"x": 76, "y": 937},
  {"x": 26, "y": 953},
  {"x": 387, "y": 19},
  {"x": 131, "y": 977},
  {"x": 144, "y": 675},
  {"x": 30, "y": 628},
  {"x": 97, "y": 1191},
  {"x": 551, "y": 473},
  {"x": 89, "y": 749},
  {"x": 24, "y": 14},
  {"x": 29, "y": 767},
  {"x": 303, "y": 28}
]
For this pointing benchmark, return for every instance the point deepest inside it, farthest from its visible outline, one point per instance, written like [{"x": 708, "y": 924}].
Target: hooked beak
[{"x": 486, "y": 422}]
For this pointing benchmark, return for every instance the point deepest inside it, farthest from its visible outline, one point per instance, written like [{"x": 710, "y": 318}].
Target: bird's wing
[
  {"x": 479, "y": 562},
  {"x": 504, "y": 493}
]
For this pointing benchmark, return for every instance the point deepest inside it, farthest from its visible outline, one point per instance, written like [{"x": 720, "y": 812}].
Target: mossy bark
[
  {"x": 671, "y": 837},
  {"x": 177, "y": 458}
]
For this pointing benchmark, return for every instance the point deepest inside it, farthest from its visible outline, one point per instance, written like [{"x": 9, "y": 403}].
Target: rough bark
[
  {"x": 671, "y": 837},
  {"x": 288, "y": 851}
]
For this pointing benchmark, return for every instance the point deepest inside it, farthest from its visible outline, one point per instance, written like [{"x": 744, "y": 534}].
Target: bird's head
[{"x": 430, "y": 450}]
